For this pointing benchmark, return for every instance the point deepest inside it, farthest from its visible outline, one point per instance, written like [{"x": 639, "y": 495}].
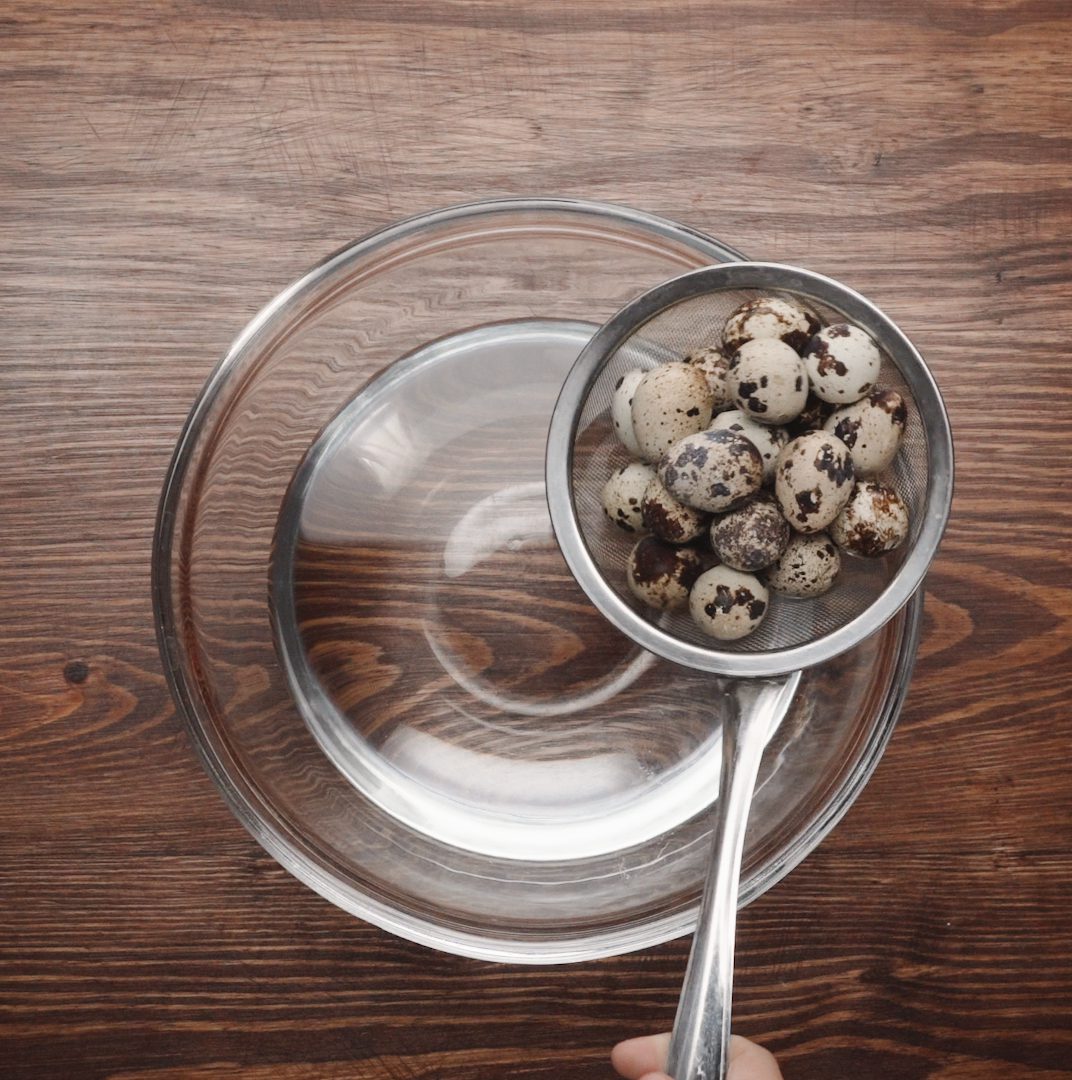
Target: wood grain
[{"x": 168, "y": 167}]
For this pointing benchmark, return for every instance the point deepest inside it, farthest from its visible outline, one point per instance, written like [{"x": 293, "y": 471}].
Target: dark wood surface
[{"x": 166, "y": 168}]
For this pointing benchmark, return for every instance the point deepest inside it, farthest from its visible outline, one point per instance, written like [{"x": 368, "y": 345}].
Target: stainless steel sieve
[{"x": 761, "y": 671}]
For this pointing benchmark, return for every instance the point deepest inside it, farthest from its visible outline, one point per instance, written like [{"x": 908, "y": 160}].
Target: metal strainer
[{"x": 667, "y": 323}]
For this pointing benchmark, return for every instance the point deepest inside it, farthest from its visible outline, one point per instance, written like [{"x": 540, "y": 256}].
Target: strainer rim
[{"x": 565, "y": 420}]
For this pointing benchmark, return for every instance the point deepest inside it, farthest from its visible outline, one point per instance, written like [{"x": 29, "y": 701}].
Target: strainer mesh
[{"x": 671, "y": 335}]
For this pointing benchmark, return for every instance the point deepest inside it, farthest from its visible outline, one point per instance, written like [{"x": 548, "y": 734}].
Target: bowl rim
[{"x": 292, "y": 851}]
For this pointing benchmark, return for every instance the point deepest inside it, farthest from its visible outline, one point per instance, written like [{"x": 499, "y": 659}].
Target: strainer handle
[{"x": 702, "y": 1027}]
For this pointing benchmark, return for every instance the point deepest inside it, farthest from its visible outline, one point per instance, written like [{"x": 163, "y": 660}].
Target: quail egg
[
  {"x": 807, "y": 567},
  {"x": 661, "y": 574},
  {"x": 874, "y": 521},
  {"x": 843, "y": 363},
  {"x": 752, "y": 536},
  {"x": 766, "y": 438},
  {"x": 667, "y": 518},
  {"x": 871, "y": 429},
  {"x": 813, "y": 480},
  {"x": 621, "y": 409},
  {"x": 623, "y": 493},
  {"x": 812, "y": 417},
  {"x": 711, "y": 470},
  {"x": 715, "y": 365},
  {"x": 770, "y": 317},
  {"x": 768, "y": 381},
  {"x": 669, "y": 402},
  {"x": 727, "y": 604}
]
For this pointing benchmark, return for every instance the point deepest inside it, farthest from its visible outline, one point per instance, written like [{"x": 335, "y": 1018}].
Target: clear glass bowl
[{"x": 381, "y": 656}]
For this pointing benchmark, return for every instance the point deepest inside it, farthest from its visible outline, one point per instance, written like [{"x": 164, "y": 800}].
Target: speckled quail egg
[
  {"x": 621, "y": 409},
  {"x": 770, "y": 317},
  {"x": 843, "y": 363},
  {"x": 813, "y": 480},
  {"x": 661, "y": 574},
  {"x": 874, "y": 521},
  {"x": 712, "y": 470},
  {"x": 871, "y": 429},
  {"x": 667, "y": 518},
  {"x": 766, "y": 438},
  {"x": 752, "y": 536},
  {"x": 812, "y": 417},
  {"x": 727, "y": 604},
  {"x": 807, "y": 567},
  {"x": 623, "y": 493},
  {"x": 715, "y": 365},
  {"x": 669, "y": 402},
  {"x": 768, "y": 381}
]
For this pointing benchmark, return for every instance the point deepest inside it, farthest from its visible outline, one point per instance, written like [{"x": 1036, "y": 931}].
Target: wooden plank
[{"x": 167, "y": 168}]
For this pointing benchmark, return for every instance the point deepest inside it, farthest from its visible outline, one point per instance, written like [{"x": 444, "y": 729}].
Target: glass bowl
[{"x": 377, "y": 647}]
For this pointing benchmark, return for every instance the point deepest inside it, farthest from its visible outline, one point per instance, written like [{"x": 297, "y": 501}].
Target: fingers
[
  {"x": 643, "y": 1058},
  {"x": 751, "y": 1062},
  {"x": 636, "y": 1059}
]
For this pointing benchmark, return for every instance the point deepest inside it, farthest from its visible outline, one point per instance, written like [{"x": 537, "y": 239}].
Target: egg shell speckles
[
  {"x": 768, "y": 381},
  {"x": 874, "y": 521},
  {"x": 661, "y": 575},
  {"x": 670, "y": 401},
  {"x": 667, "y": 518},
  {"x": 715, "y": 365},
  {"x": 843, "y": 363},
  {"x": 623, "y": 494},
  {"x": 770, "y": 317},
  {"x": 727, "y": 604},
  {"x": 812, "y": 417},
  {"x": 712, "y": 470},
  {"x": 813, "y": 480},
  {"x": 871, "y": 429},
  {"x": 807, "y": 567},
  {"x": 752, "y": 536},
  {"x": 766, "y": 438},
  {"x": 621, "y": 409}
]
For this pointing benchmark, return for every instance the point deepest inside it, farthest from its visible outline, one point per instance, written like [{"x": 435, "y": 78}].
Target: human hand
[{"x": 643, "y": 1058}]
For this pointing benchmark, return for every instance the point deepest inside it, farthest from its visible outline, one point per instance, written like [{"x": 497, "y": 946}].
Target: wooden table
[{"x": 167, "y": 168}]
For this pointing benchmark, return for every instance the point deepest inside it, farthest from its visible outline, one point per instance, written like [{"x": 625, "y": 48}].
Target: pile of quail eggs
[{"x": 759, "y": 460}]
